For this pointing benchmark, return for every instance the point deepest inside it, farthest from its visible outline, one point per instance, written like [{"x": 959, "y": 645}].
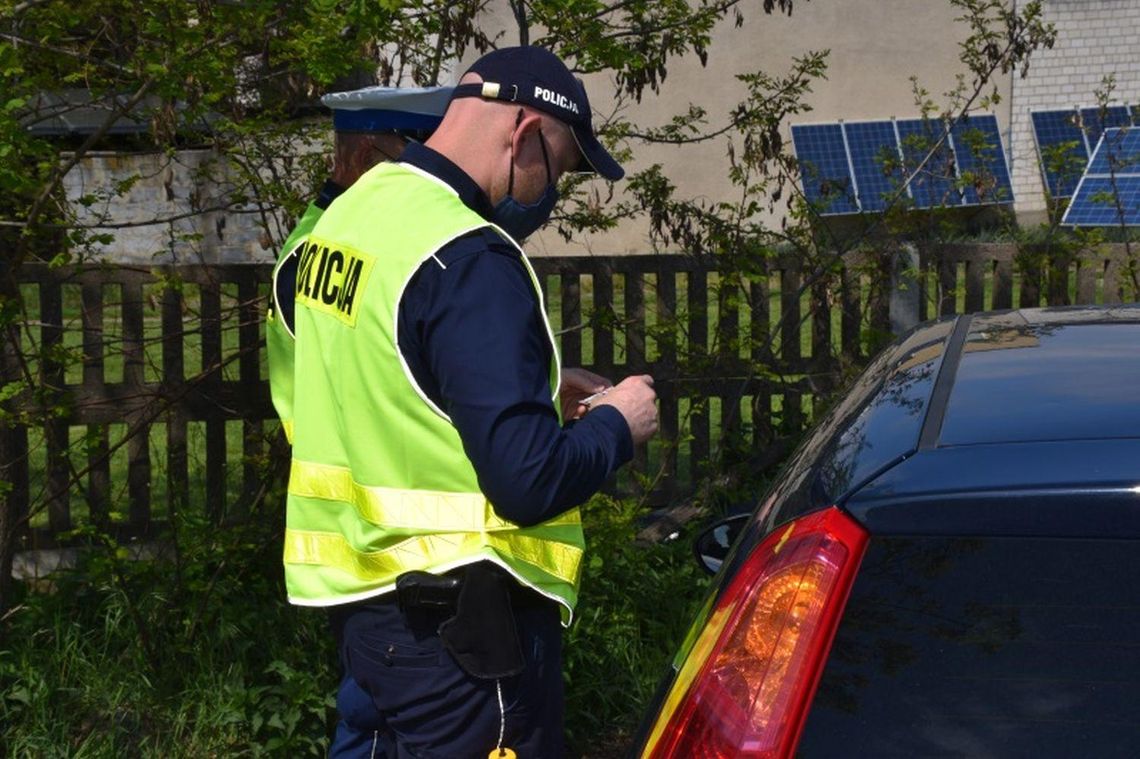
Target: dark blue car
[{"x": 948, "y": 566}]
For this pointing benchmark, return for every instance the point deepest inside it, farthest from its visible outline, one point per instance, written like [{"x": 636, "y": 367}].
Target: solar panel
[
  {"x": 1061, "y": 150},
  {"x": 1118, "y": 151},
  {"x": 824, "y": 169},
  {"x": 1095, "y": 204},
  {"x": 1109, "y": 192},
  {"x": 934, "y": 177},
  {"x": 981, "y": 160},
  {"x": 79, "y": 112},
  {"x": 875, "y": 158},
  {"x": 1065, "y": 139},
  {"x": 858, "y": 167},
  {"x": 1097, "y": 119}
]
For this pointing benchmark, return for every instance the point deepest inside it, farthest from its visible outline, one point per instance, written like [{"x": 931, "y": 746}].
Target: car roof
[
  {"x": 1041, "y": 399},
  {"x": 1031, "y": 411},
  {"x": 1043, "y": 374}
]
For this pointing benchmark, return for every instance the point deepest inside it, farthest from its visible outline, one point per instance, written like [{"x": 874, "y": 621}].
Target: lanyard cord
[{"x": 502, "y": 715}]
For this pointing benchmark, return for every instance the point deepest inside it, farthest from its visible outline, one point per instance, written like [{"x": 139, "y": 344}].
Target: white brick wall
[{"x": 1095, "y": 38}]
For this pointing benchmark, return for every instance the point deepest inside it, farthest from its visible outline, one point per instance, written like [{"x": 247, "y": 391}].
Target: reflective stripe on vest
[
  {"x": 418, "y": 551},
  {"x": 397, "y": 508}
]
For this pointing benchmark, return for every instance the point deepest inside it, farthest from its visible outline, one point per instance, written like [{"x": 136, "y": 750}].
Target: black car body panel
[
  {"x": 1083, "y": 488},
  {"x": 995, "y": 461},
  {"x": 1036, "y": 377}
]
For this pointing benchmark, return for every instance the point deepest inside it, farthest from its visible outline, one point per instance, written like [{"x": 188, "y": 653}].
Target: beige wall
[
  {"x": 876, "y": 46},
  {"x": 156, "y": 219}
]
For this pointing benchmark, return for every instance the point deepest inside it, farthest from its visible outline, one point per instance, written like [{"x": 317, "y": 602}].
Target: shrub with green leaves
[{"x": 194, "y": 651}]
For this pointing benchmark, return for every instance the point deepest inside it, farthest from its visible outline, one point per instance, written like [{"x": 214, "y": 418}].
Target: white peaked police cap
[{"x": 386, "y": 109}]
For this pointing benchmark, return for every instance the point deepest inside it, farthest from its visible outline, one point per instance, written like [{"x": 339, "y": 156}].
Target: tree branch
[
  {"x": 26, "y": 5},
  {"x": 518, "y": 10}
]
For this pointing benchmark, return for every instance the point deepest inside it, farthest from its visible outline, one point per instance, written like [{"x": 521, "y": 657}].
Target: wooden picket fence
[{"x": 167, "y": 405}]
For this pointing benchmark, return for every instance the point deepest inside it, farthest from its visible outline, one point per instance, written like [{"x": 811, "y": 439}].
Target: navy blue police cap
[
  {"x": 535, "y": 77},
  {"x": 407, "y": 110}
]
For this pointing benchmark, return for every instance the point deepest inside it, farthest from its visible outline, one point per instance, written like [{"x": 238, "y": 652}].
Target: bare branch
[{"x": 65, "y": 51}]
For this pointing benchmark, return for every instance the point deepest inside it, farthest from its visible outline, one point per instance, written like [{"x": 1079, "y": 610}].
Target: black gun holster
[
  {"x": 481, "y": 634},
  {"x": 425, "y": 591}
]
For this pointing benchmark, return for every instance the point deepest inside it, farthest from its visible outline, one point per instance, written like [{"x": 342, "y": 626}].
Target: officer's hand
[
  {"x": 578, "y": 384},
  {"x": 636, "y": 399}
]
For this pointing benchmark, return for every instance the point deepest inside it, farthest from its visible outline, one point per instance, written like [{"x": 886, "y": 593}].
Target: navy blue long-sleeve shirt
[{"x": 472, "y": 334}]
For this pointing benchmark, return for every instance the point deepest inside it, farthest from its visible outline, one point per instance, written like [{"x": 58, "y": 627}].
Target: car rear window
[{"x": 985, "y": 647}]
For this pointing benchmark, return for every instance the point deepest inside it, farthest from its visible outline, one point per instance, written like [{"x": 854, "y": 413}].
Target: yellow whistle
[{"x": 501, "y": 753}]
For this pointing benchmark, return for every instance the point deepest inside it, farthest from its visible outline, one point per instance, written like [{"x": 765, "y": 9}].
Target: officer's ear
[{"x": 527, "y": 128}]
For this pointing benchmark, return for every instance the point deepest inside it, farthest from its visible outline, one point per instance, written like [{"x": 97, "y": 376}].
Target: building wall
[
  {"x": 155, "y": 221},
  {"x": 1095, "y": 38},
  {"x": 876, "y": 47}
]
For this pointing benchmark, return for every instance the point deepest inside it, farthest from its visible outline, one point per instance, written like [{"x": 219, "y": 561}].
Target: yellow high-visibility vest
[
  {"x": 278, "y": 338},
  {"x": 379, "y": 483}
]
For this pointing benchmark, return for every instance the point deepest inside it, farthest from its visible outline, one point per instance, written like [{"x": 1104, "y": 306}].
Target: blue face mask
[{"x": 521, "y": 219}]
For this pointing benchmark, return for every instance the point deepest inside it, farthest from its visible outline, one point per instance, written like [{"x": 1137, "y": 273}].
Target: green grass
[
  {"x": 657, "y": 325},
  {"x": 1071, "y": 277},
  {"x": 193, "y": 654},
  {"x": 160, "y": 491},
  {"x": 152, "y": 338}
]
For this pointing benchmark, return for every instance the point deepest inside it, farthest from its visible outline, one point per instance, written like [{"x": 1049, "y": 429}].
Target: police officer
[
  {"x": 439, "y": 451},
  {"x": 370, "y": 125}
]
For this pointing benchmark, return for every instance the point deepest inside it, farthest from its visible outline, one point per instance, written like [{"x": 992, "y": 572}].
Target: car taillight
[{"x": 746, "y": 684}]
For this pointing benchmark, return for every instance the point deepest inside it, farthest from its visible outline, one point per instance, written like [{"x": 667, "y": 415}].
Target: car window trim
[{"x": 940, "y": 395}]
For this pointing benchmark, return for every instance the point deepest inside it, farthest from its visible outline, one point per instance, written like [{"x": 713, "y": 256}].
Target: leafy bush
[
  {"x": 190, "y": 652},
  {"x": 194, "y": 651}
]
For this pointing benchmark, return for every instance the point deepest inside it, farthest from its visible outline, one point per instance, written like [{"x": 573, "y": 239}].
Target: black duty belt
[{"x": 431, "y": 592}]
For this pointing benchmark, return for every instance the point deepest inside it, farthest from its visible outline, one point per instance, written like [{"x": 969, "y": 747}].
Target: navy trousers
[{"x": 402, "y": 695}]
